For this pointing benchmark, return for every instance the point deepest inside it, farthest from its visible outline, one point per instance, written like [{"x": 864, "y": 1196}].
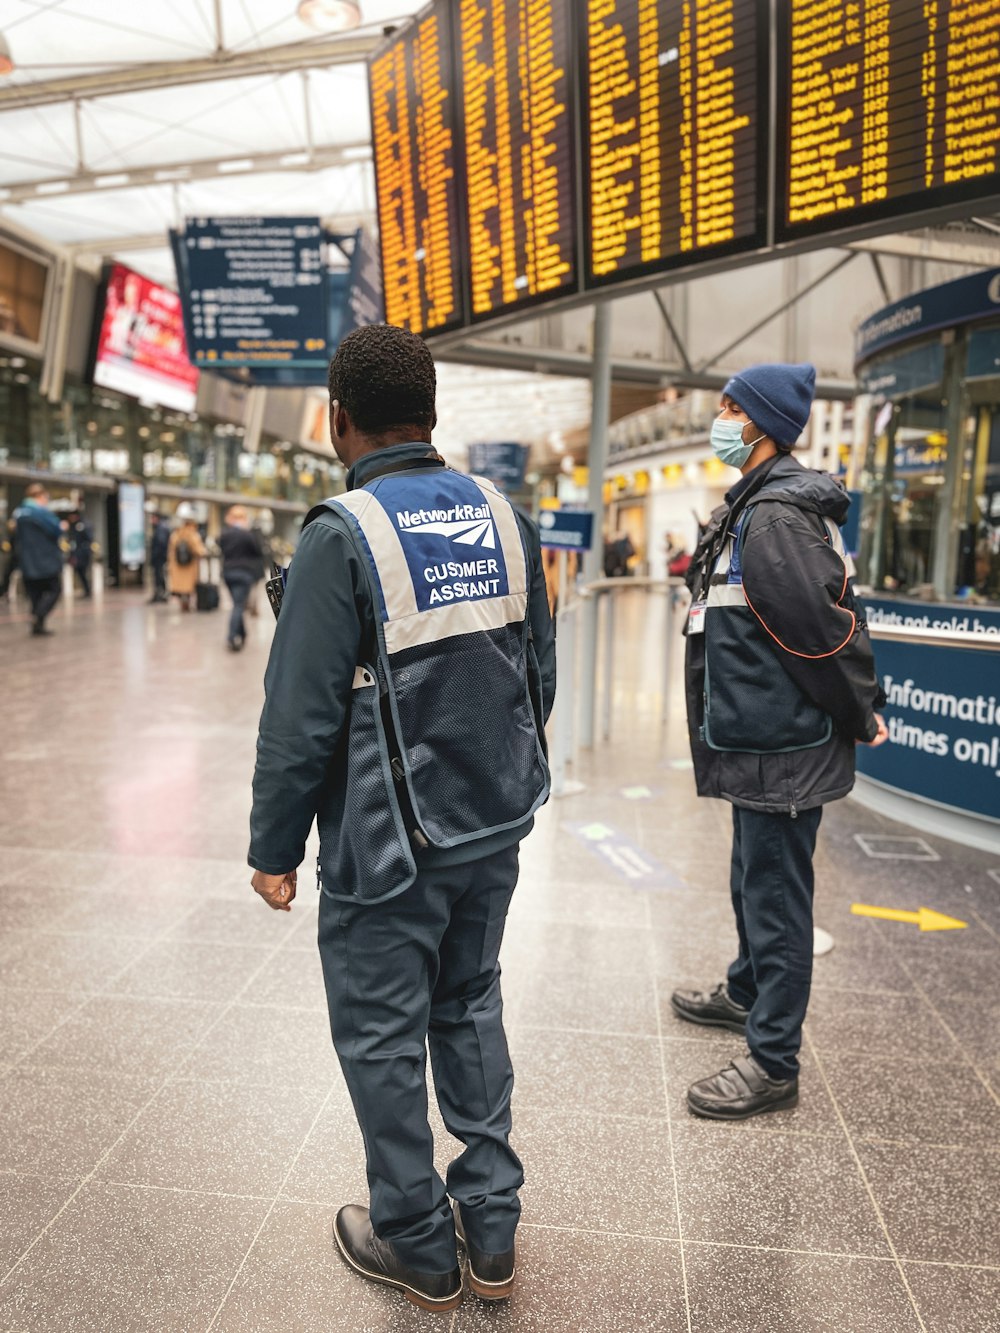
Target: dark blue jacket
[
  {"x": 37, "y": 538},
  {"x": 81, "y": 539},
  {"x": 326, "y": 627},
  {"x": 159, "y": 544}
]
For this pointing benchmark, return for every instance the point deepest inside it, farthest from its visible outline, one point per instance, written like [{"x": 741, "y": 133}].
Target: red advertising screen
[{"x": 141, "y": 348}]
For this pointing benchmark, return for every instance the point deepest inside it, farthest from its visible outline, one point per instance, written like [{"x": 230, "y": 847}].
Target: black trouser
[
  {"x": 239, "y": 582},
  {"x": 43, "y": 595},
  {"x": 160, "y": 580},
  {"x": 84, "y": 572},
  {"x": 423, "y": 967},
  {"x": 771, "y": 881}
]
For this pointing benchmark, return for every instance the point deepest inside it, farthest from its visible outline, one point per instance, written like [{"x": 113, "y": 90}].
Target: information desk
[
  {"x": 519, "y": 186},
  {"x": 674, "y": 130},
  {"x": 882, "y": 107},
  {"x": 940, "y": 667},
  {"x": 413, "y": 137}
]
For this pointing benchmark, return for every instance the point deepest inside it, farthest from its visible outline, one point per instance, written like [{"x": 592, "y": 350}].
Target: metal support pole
[
  {"x": 593, "y": 565},
  {"x": 609, "y": 600},
  {"x": 565, "y": 707}
]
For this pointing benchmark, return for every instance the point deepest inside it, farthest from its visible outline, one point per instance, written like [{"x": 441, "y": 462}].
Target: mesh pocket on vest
[
  {"x": 488, "y": 773},
  {"x": 370, "y": 858}
]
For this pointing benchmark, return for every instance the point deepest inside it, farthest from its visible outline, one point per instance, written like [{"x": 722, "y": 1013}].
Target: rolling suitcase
[{"x": 206, "y": 590}]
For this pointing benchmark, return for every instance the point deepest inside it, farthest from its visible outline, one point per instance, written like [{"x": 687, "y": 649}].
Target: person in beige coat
[{"x": 183, "y": 554}]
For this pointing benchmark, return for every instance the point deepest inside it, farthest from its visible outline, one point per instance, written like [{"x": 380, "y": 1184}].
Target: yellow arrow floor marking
[{"x": 923, "y": 917}]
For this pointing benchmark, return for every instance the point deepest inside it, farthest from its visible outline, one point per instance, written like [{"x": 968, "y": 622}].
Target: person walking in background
[
  {"x": 186, "y": 548},
  {"x": 781, "y": 685},
  {"x": 8, "y": 552},
  {"x": 81, "y": 548},
  {"x": 38, "y": 536},
  {"x": 242, "y": 568},
  {"x": 159, "y": 548},
  {"x": 411, "y": 658}
]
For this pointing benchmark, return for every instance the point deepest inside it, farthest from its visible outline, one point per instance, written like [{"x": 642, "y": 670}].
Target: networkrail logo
[{"x": 463, "y": 525}]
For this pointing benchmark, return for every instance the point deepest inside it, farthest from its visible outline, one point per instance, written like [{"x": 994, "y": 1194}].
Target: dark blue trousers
[
  {"x": 419, "y": 970},
  {"x": 771, "y": 881}
]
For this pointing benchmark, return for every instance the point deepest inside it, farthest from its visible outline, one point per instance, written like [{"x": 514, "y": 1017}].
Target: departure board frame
[
  {"x": 406, "y": 34},
  {"x": 915, "y": 208},
  {"x": 697, "y": 259},
  {"x": 511, "y": 310}
]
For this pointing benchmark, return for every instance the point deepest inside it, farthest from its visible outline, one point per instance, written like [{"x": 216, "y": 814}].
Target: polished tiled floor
[{"x": 176, "y": 1134}]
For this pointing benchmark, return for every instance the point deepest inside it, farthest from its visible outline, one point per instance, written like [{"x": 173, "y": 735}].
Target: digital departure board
[
  {"x": 414, "y": 144},
  {"x": 515, "y": 64},
  {"x": 884, "y": 109},
  {"x": 674, "y": 132}
]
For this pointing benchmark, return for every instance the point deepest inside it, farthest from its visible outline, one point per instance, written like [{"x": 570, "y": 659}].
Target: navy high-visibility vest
[
  {"x": 445, "y": 743},
  {"x": 751, "y": 704}
]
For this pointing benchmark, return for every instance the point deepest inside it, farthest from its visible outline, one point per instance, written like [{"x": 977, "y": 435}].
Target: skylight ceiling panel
[
  {"x": 91, "y": 217},
  {"x": 37, "y": 144},
  {"x": 334, "y": 192},
  {"x": 236, "y": 117},
  {"x": 92, "y": 35},
  {"x": 339, "y": 101}
]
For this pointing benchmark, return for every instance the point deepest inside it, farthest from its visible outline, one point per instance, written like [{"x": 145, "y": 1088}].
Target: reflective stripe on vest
[{"x": 442, "y": 567}]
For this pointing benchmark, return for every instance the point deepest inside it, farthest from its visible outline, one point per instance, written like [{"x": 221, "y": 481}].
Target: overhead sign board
[
  {"x": 412, "y": 89},
  {"x": 883, "y": 108},
  {"x": 674, "y": 132},
  {"x": 951, "y": 303},
  {"x": 503, "y": 464},
  {"x": 566, "y": 529},
  {"x": 515, "y": 70},
  {"x": 256, "y": 292}
]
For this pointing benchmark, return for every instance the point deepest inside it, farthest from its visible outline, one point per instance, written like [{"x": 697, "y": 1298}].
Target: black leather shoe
[
  {"x": 741, "y": 1090},
  {"x": 712, "y": 1009},
  {"x": 376, "y": 1259},
  {"x": 491, "y": 1276}
]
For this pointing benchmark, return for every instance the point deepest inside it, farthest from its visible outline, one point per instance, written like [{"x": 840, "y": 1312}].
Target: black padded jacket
[{"x": 795, "y": 669}]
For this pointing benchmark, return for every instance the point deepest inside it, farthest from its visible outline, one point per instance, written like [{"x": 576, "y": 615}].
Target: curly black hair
[{"x": 384, "y": 378}]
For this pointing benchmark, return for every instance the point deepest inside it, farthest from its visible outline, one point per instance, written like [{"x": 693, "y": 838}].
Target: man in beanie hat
[{"x": 781, "y": 685}]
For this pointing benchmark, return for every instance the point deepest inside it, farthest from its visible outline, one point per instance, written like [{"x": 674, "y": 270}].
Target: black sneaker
[
  {"x": 491, "y": 1276},
  {"x": 740, "y": 1091},
  {"x": 377, "y": 1260},
  {"x": 712, "y": 1009}
]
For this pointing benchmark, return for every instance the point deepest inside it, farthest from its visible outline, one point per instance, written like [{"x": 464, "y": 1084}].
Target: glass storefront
[
  {"x": 96, "y": 432},
  {"x": 930, "y": 474}
]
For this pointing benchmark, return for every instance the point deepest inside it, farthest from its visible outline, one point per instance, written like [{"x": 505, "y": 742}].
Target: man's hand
[
  {"x": 881, "y": 736},
  {"x": 276, "y": 890}
]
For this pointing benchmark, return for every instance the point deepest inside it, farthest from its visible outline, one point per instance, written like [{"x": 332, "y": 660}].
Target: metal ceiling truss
[
  {"x": 624, "y": 370},
  {"x": 177, "y": 73},
  {"x": 179, "y": 173}
]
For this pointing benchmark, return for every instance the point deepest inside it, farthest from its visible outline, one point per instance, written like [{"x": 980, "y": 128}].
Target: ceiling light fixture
[
  {"x": 6, "y": 59},
  {"x": 330, "y": 15}
]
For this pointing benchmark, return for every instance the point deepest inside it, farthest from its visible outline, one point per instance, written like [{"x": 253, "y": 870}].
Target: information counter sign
[
  {"x": 674, "y": 133},
  {"x": 256, "y": 294},
  {"x": 515, "y": 62},
  {"x": 884, "y": 109},
  {"x": 414, "y": 141}
]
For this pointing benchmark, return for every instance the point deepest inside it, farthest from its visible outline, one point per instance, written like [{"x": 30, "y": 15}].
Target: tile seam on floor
[
  {"x": 180, "y": 1189},
  {"x": 985, "y": 924},
  {"x": 867, "y": 1184},
  {"x": 966, "y": 1055},
  {"x": 22, "y": 1058},
  {"x": 670, "y": 1132},
  {"x": 134, "y": 1120},
  {"x": 274, "y": 1202}
]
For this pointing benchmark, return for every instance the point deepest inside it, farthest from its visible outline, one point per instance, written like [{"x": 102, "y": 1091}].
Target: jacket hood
[{"x": 791, "y": 483}]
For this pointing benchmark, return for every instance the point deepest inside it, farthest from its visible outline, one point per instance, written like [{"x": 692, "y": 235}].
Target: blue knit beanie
[{"x": 776, "y": 398}]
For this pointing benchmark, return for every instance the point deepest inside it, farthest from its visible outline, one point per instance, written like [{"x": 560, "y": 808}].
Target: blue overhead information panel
[{"x": 256, "y": 291}]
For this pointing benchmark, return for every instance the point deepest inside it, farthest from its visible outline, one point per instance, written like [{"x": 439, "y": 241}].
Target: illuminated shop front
[{"x": 929, "y": 541}]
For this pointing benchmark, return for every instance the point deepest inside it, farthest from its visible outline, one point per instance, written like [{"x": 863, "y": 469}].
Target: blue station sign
[
  {"x": 567, "y": 529},
  {"x": 255, "y": 292}
]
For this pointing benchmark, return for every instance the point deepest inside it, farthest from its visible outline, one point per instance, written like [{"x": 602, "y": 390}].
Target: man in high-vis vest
[
  {"x": 412, "y": 672},
  {"x": 781, "y": 686}
]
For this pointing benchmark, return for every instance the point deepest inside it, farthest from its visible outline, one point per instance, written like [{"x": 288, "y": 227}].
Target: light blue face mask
[{"x": 727, "y": 442}]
